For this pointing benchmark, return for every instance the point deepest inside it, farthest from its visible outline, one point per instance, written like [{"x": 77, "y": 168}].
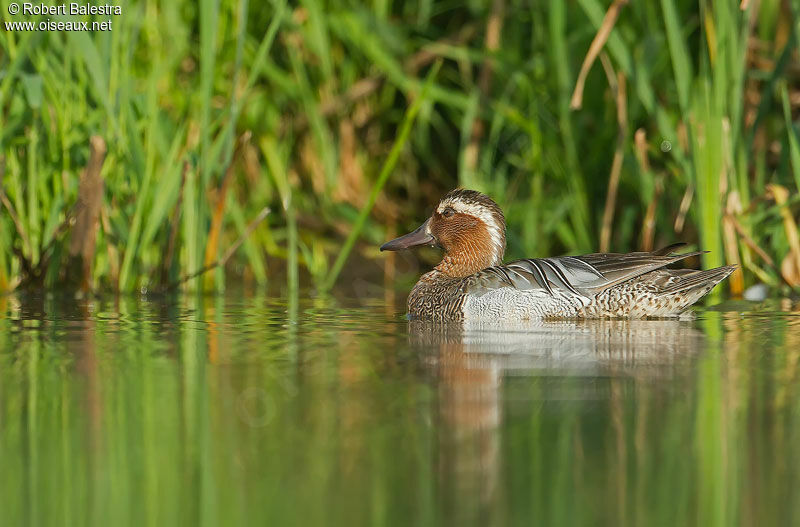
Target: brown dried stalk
[
  {"x": 84, "y": 233},
  {"x": 729, "y": 238},
  {"x": 222, "y": 261},
  {"x": 790, "y": 268},
  {"x": 649, "y": 225},
  {"x": 750, "y": 242},
  {"x": 617, "y": 84},
  {"x": 594, "y": 50},
  {"x": 494, "y": 26},
  {"x": 683, "y": 210},
  {"x": 219, "y": 208}
]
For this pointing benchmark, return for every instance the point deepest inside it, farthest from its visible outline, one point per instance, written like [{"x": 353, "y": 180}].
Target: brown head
[{"x": 468, "y": 225}]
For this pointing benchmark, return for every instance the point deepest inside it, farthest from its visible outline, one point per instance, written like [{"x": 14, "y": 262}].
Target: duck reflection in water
[{"x": 567, "y": 362}]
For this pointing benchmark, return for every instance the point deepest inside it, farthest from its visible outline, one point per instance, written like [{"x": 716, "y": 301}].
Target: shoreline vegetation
[{"x": 203, "y": 142}]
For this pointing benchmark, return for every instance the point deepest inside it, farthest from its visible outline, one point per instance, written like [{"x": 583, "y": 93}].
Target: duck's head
[{"x": 468, "y": 225}]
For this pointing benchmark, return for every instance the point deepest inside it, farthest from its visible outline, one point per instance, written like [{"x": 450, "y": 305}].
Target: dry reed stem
[
  {"x": 84, "y": 232},
  {"x": 494, "y": 26},
  {"x": 231, "y": 250},
  {"x": 711, "y": 35},
  {"x": 730, "y": 240},
  {"x": 640, "y": 142},
  {"x": 648, "y": 227},
  {"x": 219, "y": 209},
  {"x": 790, "y": 267},
  {"x": 350, "y": 182},
  {"x": 683, "y": 209},
  {"x": 750, "y": 242},
  {"x": 617, "y": 84},
  {"x": 594, "y": 50}
]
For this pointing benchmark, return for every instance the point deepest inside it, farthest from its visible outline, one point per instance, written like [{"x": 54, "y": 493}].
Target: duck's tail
[
  {"x": 685, "y": 280},
  {"x": 680, "y": 288},
  {"x": 659, "y": 293}
]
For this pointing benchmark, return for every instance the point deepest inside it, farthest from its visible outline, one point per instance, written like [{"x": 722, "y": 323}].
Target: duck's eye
[{"x": 448, "y": 212}]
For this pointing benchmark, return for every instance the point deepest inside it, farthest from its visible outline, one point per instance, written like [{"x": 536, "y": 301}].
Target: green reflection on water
[{"x": 223, "y": 411}]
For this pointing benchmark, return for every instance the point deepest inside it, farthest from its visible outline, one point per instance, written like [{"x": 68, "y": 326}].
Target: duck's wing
[
  {"x": 584, "y": 275},
  {"x": 617, "y": 268},
  {"x": 568, "y": 273}
]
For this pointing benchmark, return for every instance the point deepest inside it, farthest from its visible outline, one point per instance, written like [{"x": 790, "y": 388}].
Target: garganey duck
[{"x": 471, "y": 282}]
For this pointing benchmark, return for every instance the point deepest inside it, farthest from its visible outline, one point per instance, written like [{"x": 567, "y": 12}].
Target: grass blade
[{"x": 383, "y": 177}]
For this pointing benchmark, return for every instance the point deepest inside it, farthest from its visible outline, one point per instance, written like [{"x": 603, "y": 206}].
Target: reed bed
[{"x": 199, "y": 143}]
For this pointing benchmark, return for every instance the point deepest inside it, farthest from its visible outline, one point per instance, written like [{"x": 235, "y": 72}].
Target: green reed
[{"x": 327, "y": 85}]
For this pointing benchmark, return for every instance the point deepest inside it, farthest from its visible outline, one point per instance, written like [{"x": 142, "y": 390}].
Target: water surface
[{"x": 244, "y": 410}]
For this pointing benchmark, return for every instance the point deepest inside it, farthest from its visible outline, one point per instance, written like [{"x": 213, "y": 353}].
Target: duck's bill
[{"x": 420, "y": 236}]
